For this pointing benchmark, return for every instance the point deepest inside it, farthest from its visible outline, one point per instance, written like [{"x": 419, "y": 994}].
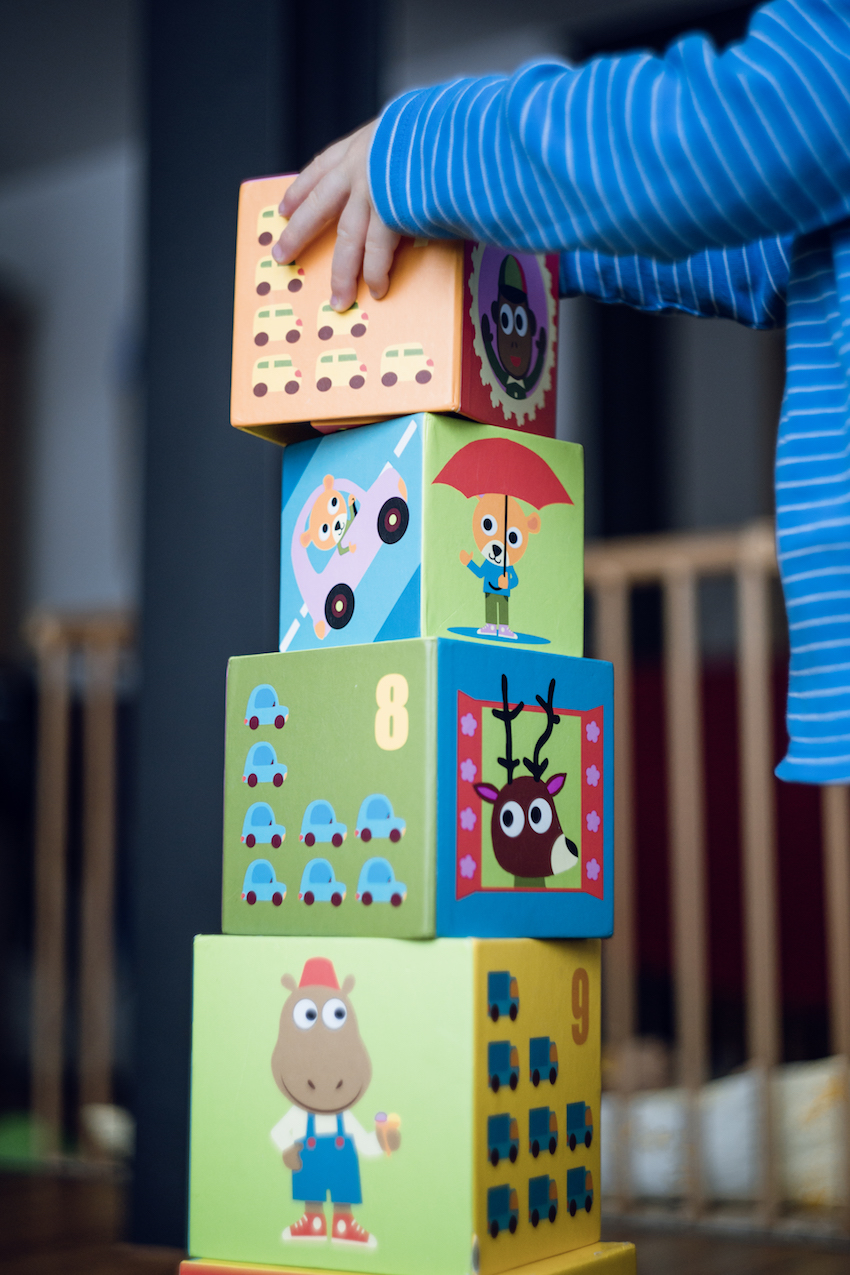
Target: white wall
[{"x": 69, "y": 249}]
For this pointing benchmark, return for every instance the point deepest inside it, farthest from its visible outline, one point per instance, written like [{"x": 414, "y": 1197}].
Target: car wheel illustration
[
  {"x": 366, "y": 835},
  {"x": 309, "y": 898},
  {"x": 336, "y": 839},
  {"x": 389, "y": 379},
  {"x": 395, "y": 835},
  {"x": 277, "y": 898},
  {"x": 261, "y": 338},
  {"x": 336, "y": 898},
  {"x": 323, "y": 384},
  {"x": 254, "y": 723},
  {"x": 294, "y": 285},
  {"x": 250, "y": 841},
  {"x": 535, "y": 1148},
  {"x": 293, "y": 335},
  {"x": 367, "y": 898},
  {"x": 278, "y": 779},
  {"x": 494, "y": 1157},
  {"x": 588, "y": 1138},
  {"x": 494, "y": 1083},
  {"x": 423, "y": 377},
  {"x": 251, "y": 897},
  {"x": 326, "y": 332},
  {"x": 514, "y": 1080},
  {"x": 393, "y": 520},
  {"x": 359, "y": 329},
  {"x": 280, "y": 721},
  {"x": 357, "y": 382},
  {"x": 572, "y": 1208},
  {"x": 291, "y": 387},
  {"x": 494, "y": 1013},
  {"x": 265, "y": 239},
  {"x": 512, "y": 1155},
  {"x": 252, "y": 781},
  {"x": 588, "y": 1204},
  {"x": 261, "y": 389},
  {"x": 309, "y": 839},
  {"x": 512, "y": 1225},
  {"x": 572, "y": 1142},
  {"x": 494, "y": 1230},
  {"x": 276, "y": 840},
  {"x": 553, "y": 1075},
  {"x": 339, "y": 606},
  {"x": 535, "y": 1217},
  {"x": 553, "y": 1212},
  {"x": 535, "y": 1077},
  {"x": 552, "y": 1146},
  {"x": 395, "y": 900},
  {"x": 263, "y": 289}
]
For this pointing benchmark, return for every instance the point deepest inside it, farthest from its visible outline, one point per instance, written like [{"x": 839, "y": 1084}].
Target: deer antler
[
  {"x": 507, "y": 715},
  {"x": 536, "y": 768}
]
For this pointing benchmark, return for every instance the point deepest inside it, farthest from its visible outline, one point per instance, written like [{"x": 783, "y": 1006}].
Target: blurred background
[{"x": 138, "y": 550}]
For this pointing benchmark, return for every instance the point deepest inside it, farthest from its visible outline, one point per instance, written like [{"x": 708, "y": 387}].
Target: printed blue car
[
  {"x": 264, "y": 708},
  {"x": 376, "y": 819},
  {"x": 377, "y": 884},
  {"x": 319, "y": 886},
  {"x": 260, "y": 885},
  {"x": 263, "y": 767},
  {"x": 579, "y": 1190},
  {"x": 260, "y": 826},
  {"x": 502, "y": 1210},
  {"x": 321, "y": 824}
]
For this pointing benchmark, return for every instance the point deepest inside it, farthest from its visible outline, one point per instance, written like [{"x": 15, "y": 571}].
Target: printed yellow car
[
  {"x": 270, "y": 224},
  {"x": 340, "y": 367},
  {"x": 271, "y": 276},
  {"x": 405, "y": 363},
  {"x": 351, "y": 323},
  {"x": 275, "y": 376},
  {"x": 276, "y": 323}
]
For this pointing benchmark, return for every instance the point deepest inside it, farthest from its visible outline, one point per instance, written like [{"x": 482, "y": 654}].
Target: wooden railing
[
  {"x": 71, "y": 651},
  {"x": 676, "y": 563}
]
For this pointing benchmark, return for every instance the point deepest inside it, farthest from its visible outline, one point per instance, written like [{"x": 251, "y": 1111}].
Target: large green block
[
  {"x": 374, "y": 790},
  {"x": 407, "y": 1081}
]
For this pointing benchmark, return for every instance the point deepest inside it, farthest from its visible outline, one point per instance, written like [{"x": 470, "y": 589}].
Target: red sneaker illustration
[
  {"x": 309, "y": 1227},
  {"x": 347, "y": 1231}
]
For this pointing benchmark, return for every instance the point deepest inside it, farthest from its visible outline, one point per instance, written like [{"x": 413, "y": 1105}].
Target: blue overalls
[{"x": 328, "y": 1163}]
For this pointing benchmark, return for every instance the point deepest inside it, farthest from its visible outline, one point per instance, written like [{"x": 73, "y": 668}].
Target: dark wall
[{"x": 235, "y": 89}]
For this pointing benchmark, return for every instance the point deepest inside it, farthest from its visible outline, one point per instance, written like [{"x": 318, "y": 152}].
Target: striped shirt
[{"x": 712, "y": 183}]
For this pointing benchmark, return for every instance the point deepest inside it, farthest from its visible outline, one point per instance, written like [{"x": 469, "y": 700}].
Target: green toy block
[
  {"x": 379, "y": 1073},
  {"x": 427, "y": 526},
  {"x": 416, "y": 789}
]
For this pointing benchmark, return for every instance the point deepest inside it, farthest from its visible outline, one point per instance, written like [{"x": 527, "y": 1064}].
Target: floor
[{"x": 69, "y": 1226}]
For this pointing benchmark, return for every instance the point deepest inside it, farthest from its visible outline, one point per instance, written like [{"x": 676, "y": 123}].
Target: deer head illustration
[{"x": 525, "y": 828}]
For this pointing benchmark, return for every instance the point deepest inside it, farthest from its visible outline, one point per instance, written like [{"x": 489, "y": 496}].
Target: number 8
[{"x": 391, "y": 720}]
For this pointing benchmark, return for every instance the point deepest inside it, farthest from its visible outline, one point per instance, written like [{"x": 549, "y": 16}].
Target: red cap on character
[{"x": 319, "y": 972}]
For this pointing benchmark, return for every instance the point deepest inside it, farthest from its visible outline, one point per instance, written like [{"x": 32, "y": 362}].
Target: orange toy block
[{"x": 464, "y": 328}]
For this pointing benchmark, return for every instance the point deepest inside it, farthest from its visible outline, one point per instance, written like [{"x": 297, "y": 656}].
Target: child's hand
[{"x": 336, "y": 184}]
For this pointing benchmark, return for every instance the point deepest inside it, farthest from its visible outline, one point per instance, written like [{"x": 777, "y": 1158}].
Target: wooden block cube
[
  {"x": 374, "y": 1076},
  {"x": 464, "y": 328},
  {"x": 419, "y": 788},
  {"x": 429, "y": 526}
]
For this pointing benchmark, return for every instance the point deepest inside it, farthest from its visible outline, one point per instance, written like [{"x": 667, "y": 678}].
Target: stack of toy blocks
[{"x": 396, "y": 1051}]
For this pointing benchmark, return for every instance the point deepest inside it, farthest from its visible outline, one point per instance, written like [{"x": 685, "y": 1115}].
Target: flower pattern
[
  {"x": 468, "y": 819},
  {"x": 593, "y": 822},
  {"x": 467, "y": 867},
  {"x": 593, "y": 869},
  {"x": 468, "y": 724},
  {"x": 468, "y": 770},
  {"x": 593, "y": 775},
  {"x": 591, "y": 730}
]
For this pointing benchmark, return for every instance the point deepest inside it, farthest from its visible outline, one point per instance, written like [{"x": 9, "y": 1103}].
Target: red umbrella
[{"x": 501, "y": 465}]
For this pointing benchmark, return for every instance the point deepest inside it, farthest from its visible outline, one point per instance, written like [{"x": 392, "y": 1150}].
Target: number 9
[
  {"x": 391, "y": 720},
  {"x": 581, "y": 1006}
]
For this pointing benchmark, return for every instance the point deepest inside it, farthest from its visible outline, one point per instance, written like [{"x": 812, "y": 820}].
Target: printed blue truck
[
  {"x": 502, "y": 1064},
  {"x": 542, "y": 1131},
  {"x": 579, "y": 1190},
  {"x": 542, "y": 1060},
  {"x": 542, "y": 1199},
  {"x": 502, "y": 1210},
  {"x": 579, "y": 1124},
  {"x": 502, "y": 995},
  {"x": 502, "y": 1139}
]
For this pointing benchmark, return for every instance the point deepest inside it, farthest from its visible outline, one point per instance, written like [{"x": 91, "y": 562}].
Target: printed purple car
[{"x": 381, "y": 519}]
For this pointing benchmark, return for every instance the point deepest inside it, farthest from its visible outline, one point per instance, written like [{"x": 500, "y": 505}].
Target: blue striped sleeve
[
  {"x": 661, "y": 156},
  {"x": 747, "y": 284}
]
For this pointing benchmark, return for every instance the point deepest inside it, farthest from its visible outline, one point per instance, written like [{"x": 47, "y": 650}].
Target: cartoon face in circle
[
  {"x": 329, "y": 518},
  {"x": 493, "y": 539},
  {"x": 514, "y": 319},
  {"x": 320, "y": 1062}
]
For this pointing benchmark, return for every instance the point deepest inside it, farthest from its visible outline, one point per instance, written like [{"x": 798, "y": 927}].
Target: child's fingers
[
  {"x": 321, "y": 206},
  {"x": 310, "y": 177},
  {"x": 381, "y": 243},
  {"x": 348, "y": 253}
]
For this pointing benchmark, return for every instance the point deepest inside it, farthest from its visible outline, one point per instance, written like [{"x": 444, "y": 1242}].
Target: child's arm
[{"x": 745, "y": 284}]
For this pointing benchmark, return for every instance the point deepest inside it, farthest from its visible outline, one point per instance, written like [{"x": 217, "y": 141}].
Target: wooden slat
[
  {"x": 687, "y": 841},
  {"x": 759, "y": 846},
  {"x": 98, "y": 886},
  {"x": 835, "y": 809},
  {"x": 51, "y": 816},
  {"x": 612, "y": 623},
  {"x": 647, "y": 559}
]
